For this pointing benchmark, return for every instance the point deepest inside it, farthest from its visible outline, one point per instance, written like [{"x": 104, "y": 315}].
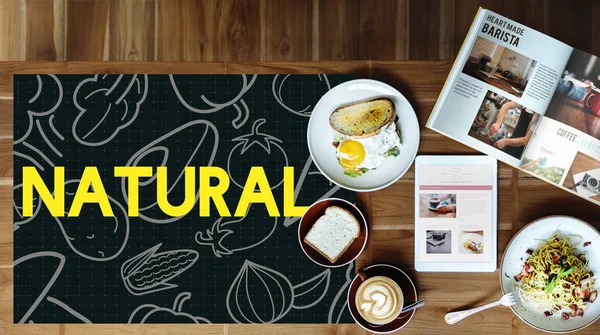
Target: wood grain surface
[
  {"x": 390, "y": 211},
  {"x": 270, "y": 30}
]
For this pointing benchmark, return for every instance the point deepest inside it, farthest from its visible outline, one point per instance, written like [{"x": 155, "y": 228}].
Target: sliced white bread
[
  {"x": 363, "y": 119},
  {"x": 333, "y": 233}
]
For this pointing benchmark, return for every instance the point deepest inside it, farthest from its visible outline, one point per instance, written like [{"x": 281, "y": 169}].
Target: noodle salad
[{"x": 556, "y": 276}]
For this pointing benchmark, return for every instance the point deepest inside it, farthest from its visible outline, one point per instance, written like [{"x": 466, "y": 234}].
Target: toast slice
[
  {"x": 363, "y": 119},
  {"x": 333, "y": 233}
]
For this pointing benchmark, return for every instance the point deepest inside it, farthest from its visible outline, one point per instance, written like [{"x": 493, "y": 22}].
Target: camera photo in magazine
[
  {"x": 576, "y": 101},
  {"x": 499, "y": 66},
  {"x": 504, "y": 124},
  {"x": 584, "y": 176}
]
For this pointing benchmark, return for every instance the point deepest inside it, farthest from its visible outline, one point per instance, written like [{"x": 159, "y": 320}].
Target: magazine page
[
  {"x": 565, "y": 149},
  {"x": 500, "y": 85}
]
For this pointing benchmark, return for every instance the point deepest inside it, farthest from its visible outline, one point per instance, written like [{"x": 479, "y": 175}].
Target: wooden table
[{"x": 390, "y": 211}]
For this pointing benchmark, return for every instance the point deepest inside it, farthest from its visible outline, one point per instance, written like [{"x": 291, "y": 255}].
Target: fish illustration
[
  {"x": 150, "y": 271},
  {"x": 224, "y": 235}
]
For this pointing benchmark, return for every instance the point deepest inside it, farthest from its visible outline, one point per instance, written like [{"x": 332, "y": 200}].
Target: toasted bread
[
  {"x": 333, "y": 233},
  {"x": 363, "y": 119}
]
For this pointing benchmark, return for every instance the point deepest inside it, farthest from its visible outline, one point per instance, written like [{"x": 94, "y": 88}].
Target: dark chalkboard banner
[{"x": 156, "y": 268}]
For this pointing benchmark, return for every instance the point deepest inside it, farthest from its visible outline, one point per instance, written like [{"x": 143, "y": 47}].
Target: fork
[{"x": 506, "y": 300}]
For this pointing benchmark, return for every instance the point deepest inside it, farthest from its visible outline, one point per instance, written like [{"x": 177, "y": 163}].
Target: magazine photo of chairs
[{"x": 499, "y": 66}]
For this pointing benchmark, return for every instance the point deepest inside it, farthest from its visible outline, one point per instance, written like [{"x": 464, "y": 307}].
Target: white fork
[{"x": 506, "y": 300}]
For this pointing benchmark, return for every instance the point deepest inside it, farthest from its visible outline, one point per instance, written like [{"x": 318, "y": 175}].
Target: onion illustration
[
  {"x": 107, "y": 104},
  {"x": 259, "y": 294}
]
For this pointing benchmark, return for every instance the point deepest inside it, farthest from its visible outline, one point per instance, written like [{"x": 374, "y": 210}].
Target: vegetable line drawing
[
  {"x": 255, "y": 281},
  {"x": 213, "y": 106},
  {"x": 150, "y": 313},
  {"x": 290, "y": 220},
  {"x": 103, "y": 104},
  {"x": 339, "y": 305},
  {"x": 162, "y": 147},
  {"x": 43, "y": 295},
  {"x": 261, "y": 147},
  {"x": 150, "y": 272},
  {"x": 217, "y": 235},
  {"x": 18, "y": 210},
  {"x": 68, "y": 309},
  {"x": 99, "y": 240},
  {"x": 31, "y": 112},
  {"x": 277, "y": 86}
]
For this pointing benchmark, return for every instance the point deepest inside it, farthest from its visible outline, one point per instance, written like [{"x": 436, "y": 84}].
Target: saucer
[{"x": 408, "y": 290}]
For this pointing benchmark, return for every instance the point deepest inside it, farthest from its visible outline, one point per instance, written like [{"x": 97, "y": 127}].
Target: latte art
[{"x": 379, "y": 300}]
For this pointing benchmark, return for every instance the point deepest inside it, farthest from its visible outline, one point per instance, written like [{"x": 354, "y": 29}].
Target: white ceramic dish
[
  {"x": 529, "y": 238},
  {"x": 320, "y": 135}
]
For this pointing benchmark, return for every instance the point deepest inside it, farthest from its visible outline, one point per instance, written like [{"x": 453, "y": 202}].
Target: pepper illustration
[
  {"x": 107, "y": 105},
  {"x": 203, "y": 102},
  {"x": 149, "y": 313},
  {"x": 255, "y": 149},
  {"x": 283, "y": 83},
  {"x": 224, "y": 234},
  {"x": 150, "y": 272},
  {"x": 192, "y": 144},
  {"x": 100, "y": 239},
  {"x": 259, "y": 294}
]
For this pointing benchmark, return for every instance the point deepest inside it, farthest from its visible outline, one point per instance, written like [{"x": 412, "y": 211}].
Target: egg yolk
[{"x": 351, "y": 154}]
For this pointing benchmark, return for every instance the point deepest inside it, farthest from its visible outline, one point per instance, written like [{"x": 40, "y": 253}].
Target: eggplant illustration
[
  {"x": 224, "y": 235},
  {"x": 192, "y": 144},
  {"x": 259, "y": 294},
  {"x": 107, "y": 105},
  {"x": 150, "y": 272},
  {"x": 100, "y": 239}
]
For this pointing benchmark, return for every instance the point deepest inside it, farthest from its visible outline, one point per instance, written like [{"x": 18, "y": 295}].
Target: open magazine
[{"x": 527, "y": 99}]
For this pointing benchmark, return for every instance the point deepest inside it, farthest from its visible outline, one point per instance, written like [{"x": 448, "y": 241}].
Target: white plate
[
  {"x": 529, "y": 238},
  {"x": 320, "y": 135}
]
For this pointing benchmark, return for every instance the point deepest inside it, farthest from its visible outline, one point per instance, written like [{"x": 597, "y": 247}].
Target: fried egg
[{"x": 361, "y": 154}]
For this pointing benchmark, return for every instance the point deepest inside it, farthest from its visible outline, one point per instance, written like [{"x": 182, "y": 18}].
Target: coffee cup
[
  {"x": 379, "y": 299},
  {"x": 434, "y": 202},
  {"x": 592, "y": 101}
]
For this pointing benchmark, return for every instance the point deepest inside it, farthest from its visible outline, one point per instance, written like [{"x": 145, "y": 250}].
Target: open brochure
[{"x": 527, "y": 99}]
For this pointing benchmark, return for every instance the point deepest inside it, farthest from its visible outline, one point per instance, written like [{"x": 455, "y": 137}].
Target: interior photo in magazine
[
  {"x": 576, "y": 101},
  {"x": 499, "y": 66},
  {"x": 504, "y": 124}
]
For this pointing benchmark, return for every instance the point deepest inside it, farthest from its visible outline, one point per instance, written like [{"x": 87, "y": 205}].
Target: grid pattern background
[{"x": 108, "y": 122}]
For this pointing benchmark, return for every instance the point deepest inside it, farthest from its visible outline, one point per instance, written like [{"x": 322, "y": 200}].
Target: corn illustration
[{"x": 150, "y": 271}]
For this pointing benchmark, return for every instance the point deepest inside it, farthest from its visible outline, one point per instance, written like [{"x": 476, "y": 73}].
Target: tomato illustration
[{"x": 257, "y": 149}]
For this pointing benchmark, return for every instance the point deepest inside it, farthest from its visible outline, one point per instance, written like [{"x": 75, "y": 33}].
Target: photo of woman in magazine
[
  {"x": 504, "y": 124},
  {"x": 576, "y": 100}
]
